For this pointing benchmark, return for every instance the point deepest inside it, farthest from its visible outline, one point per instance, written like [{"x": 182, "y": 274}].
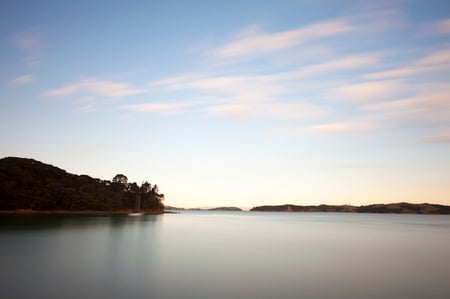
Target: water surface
[{"x": 225, "y": 255}]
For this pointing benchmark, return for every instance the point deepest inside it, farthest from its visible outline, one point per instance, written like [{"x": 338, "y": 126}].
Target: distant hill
[
  {"x": 405, "y": 208},
  {"x": 394, "y": 208},
  {"x": 226, "y": 209},
  {"x": 296, "y": 208},
  {"x": 30, "y": 184},
  {"x": 200, "y": 209}
]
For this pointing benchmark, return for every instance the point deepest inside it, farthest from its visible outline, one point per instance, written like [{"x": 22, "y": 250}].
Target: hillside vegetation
[
  {"x": 393, "y": 208},
  {"x": 30, "y": 184}
]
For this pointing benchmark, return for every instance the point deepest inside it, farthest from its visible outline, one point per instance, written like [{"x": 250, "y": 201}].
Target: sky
[{"x": 234, "y": 103}]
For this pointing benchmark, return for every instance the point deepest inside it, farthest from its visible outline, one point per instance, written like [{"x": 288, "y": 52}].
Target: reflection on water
[{"x": 225, "y": 255}]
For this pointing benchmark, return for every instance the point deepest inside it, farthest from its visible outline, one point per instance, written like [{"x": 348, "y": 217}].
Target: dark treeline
[
  {"x": 393, "y": 208},
  {"x": 30, "y": 184}
]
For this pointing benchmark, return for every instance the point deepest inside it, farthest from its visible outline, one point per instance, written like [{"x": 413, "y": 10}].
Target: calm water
[{"x": 225, "y": 255}]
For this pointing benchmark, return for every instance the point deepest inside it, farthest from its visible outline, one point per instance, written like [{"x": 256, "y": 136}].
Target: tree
[
  {"x": 121, "y": 179},
  {"x": 146, "y": 187},
  {"x": 155, "y": 189},
  {"x": 134, "y": 188}
]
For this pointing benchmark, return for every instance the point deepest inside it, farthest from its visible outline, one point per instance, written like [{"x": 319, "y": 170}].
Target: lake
[{"x": 225, "y": 255}]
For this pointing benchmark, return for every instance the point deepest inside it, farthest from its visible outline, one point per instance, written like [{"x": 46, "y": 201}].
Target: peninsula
[{"x": 30, "y": 186}]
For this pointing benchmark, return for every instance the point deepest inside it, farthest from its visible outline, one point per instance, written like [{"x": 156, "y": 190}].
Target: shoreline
[{"x": 80, "y": 212}]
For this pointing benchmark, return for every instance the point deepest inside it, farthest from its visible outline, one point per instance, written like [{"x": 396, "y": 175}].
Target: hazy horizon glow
[{"x": 240, "y": 103}]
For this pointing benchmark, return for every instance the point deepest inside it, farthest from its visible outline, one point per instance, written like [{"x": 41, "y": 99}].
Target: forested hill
[
  {"x": 393, "y": 208},
  {"x": 30, "y": 184}
]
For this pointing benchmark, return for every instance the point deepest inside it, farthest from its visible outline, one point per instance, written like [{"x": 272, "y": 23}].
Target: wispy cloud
[
  {"x": 444, "y": 26},
  {"x": 264, "y": 96},
  {"x": 30, "y": 43},
  {"x": 231, "y": 111},
  {"x": 254, "y": 41},
  {"x": 430, "y": 99},
  {"x": 434, "y": 29},
  {"x": 402, "y": 72},
  {"x": 352, "y": 87},
  {"x": 96, "y": 88},
  {"x": 274, "y": 110},
  {"x": 438, "y": 138},
  {"x": 159, "y": 107},
  {"x": 257, "y": 96},
  {"x": 428, "y": 109},
  {"x": 347, "y": 126},
  {"x": 436, "y": 58},
  {"x": 435, "y": 61},
  {"x": 370, "y": 91},
  {"x": 22, "y": 80},
  {"x": 244, "y": 88},
  {"x": 332, "y": 66}
]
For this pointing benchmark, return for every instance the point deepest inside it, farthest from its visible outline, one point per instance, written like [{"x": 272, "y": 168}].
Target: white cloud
[
  {"x": 435, "y": 61},
  {"x": 272, "y": 110},
  {"x": 231, "y": 111},
  {"x": 333, "y": 66},
  {"x": 370, "y": 91},
  {"x": 347, "y": 126},
  {"x": 242, "y": 88},
  {"x": 262, "y": 88},
  {"x": 96, "y": 88},
  {"x": 22, "y": 80},
  {"x": 431, "y": 99},
  {"x": 427, "y": 109},
  {"x": 259, "y": 96},
  {"x": 157, "y": 108},
  {"x": 402, "y": 72},
  {"x": 294, "y": 111},
  {"x": 254, "y": 41}
]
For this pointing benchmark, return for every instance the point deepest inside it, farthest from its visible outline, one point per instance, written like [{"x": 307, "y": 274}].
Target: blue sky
[{"x": 236, "y": 103}]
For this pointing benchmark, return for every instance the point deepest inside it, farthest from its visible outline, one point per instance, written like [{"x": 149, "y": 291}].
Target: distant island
[
  {"x": 393, "y": 208},
  {"x": 232, "y": 209},
  {"x": 27, "y": 185}
]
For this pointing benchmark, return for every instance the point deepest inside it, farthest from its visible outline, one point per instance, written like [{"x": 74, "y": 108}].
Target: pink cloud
[
  {"x": 439, "y": 138},
  {"x": 435, "y": 61},
  {"x": 22, "y": 80},
  {"x": 96, "y": 87},
  {"x": 436, "y": 58},
  {"x": 272, "y": 110},
  {"x": 350, "y": 126},
  {"x": 237, "y": 88},
  {"x": 332, "y": 66},
  {"x": 254, "y": 41},
  {"x": 159, "y": 107},
  {"x": 443, "y": 26},
  {"x": 231, "y": 111},
  {"x": 30, "y": 43},
  {"x": 369, "y": 91}
]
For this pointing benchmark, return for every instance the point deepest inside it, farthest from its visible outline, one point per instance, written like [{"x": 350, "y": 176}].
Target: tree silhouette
[
  {"x": 146, "y": 187},
  {"x": 120, "y": 178}
]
